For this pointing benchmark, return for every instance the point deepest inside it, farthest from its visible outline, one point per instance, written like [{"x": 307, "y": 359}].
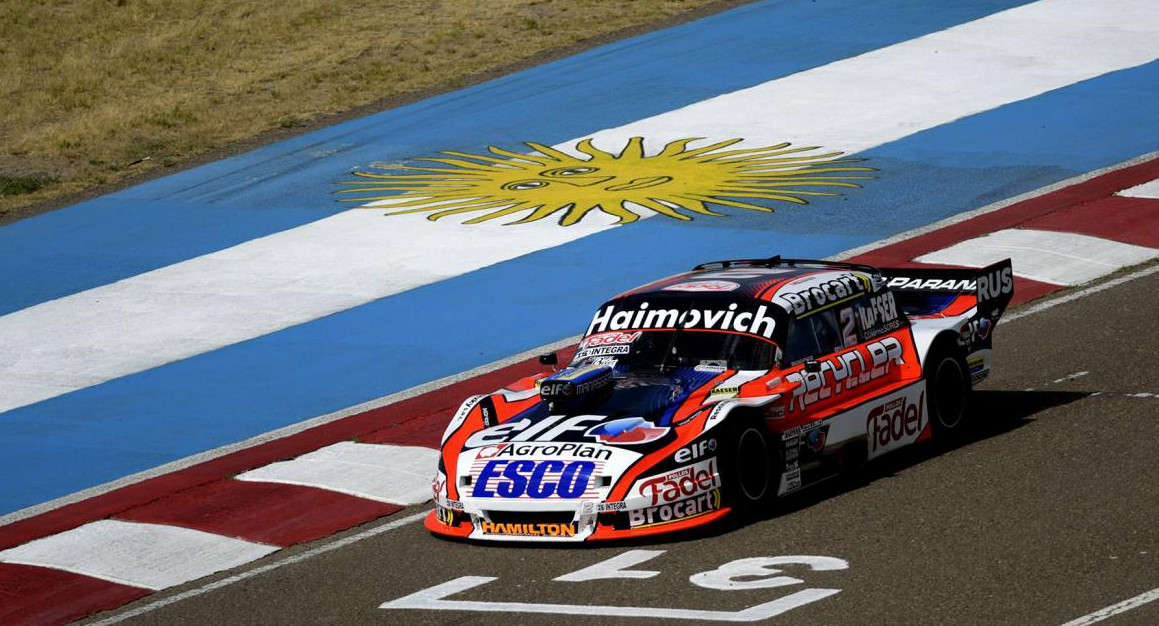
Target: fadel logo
[
  {"x": 895, "y": 424},
  {"x": 680, "y": 484},
  {"x": 627, "y": 431},
  {"x": 609, "y": 339},
  {"x": 534, "y": 479}
]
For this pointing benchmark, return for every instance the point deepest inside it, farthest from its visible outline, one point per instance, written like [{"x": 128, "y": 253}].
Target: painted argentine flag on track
[{"x": 216, "y": 304}]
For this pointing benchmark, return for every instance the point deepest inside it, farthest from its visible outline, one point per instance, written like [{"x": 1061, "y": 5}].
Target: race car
[{"x": 719, "y": 390}]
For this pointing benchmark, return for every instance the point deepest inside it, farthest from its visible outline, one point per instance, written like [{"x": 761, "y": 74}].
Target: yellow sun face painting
[{"x": 677, "y": 182}]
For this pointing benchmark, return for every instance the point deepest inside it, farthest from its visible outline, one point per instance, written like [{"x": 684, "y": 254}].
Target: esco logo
[{"x": 535, "y": 479}]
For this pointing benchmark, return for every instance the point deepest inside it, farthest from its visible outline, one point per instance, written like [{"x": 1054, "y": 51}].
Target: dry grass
[{"x": 99, "y": 90}]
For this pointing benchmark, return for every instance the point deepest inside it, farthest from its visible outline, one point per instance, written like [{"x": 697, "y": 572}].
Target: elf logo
[{"x": 695, "y": 451}]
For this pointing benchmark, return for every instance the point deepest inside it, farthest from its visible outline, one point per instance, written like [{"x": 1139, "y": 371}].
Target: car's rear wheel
[
  {"x": 747, "y": 468},
  {"x": 947, "y": 392}
]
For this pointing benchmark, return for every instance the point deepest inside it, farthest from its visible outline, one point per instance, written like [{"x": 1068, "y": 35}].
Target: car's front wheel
[
  {"x": 747, "y": 468},
  {"x": 947, "y": 392}
]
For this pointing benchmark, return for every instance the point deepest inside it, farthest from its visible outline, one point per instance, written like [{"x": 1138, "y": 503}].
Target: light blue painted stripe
[
  {"x": 287, "y": 184},
  {"x": 131, "y": 424}
]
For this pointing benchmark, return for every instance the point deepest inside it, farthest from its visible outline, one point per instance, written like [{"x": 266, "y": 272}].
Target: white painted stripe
[
  {"x": 1115, "y": 609},
  {"x": 374, "y": 531},
  {"x": 865, "y": 101},
  {"x": 1146, "y": 190},
  {"x": 1045, "y": 256},
  {"x": 393, "y": 474},
  {"x": 152, "y": 556},
  {"x": 355, "y": 257},
  {"x": 246, "y": 291}
]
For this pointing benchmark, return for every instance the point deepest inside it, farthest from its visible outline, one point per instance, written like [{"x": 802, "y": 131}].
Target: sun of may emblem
[{"x": 678, "y": 181}]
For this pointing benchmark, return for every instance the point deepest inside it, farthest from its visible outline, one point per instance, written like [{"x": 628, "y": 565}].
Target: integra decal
[
  {"x": 603, "y": 351},
  {"x": 809, "y": 297},
  {"x": 756, "y": 322},
  {"x": 844, "y": 371}
]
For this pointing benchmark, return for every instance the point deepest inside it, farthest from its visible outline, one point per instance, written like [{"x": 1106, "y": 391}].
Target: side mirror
[
  {"x": 550, "y": 359},
  {"x": 812, "y": 366}
]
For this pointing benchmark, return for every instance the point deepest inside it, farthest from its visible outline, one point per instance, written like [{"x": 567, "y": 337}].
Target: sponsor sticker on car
[
  {"x": 895, "y": 423},
  {"x": 675, "y": 511},
  {"x": 627, "y": 431},
  {"x": 515, "y": 529},
  {"x": 679, "y": 484},
  {"x": 705, "y": 285},
  {"x": 525, "y": 478}
]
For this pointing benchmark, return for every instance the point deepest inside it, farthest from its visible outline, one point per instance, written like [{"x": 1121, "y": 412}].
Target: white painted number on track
[
  {"x": 727, "y": 577},
  {"x": 615, "y": 567}
]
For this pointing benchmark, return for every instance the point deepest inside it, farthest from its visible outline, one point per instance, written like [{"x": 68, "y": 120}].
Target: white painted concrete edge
[{"x": 483, "y": 369}]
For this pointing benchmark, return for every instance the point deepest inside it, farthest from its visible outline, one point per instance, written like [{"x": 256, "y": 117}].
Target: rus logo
[{"x": 995, "y": 284}]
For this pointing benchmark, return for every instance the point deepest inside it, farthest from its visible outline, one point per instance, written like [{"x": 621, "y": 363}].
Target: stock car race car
[{"x": 719, "y": 390}]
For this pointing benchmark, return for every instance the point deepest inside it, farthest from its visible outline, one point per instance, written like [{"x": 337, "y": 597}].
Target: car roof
[{"x": 740, "y": 282}]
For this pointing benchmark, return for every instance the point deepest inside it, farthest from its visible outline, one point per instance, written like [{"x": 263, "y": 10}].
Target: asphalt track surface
[{"x": 1044, "y": 514}]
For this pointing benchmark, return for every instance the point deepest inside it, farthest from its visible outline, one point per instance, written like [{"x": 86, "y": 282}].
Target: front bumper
[{"x": 587, "y": 521}]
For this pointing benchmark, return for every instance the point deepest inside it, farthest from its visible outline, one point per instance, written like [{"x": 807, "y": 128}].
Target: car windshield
[{"x": 670, "y": 349}]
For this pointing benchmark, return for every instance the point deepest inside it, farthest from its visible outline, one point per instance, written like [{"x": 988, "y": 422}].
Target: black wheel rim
[
  {"x": 949, "y": 393},
  {"x": 753, "y": 464}
]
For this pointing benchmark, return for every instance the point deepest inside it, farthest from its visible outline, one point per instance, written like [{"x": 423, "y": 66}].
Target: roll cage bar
[{"x": 777, "y": 261}]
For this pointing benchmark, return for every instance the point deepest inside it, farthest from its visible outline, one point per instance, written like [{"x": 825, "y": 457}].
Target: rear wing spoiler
[{"x": 927, "y": 291}]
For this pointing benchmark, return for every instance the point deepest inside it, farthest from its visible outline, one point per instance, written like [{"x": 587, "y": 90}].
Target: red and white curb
[
  {"x": 392, "y": 474},
  {"x": 209, "y": 528},
  {"x": 1045, "y": 256},
  {"x": 168, "y": 530},
  {"x": 1066, "y": 237},
  {"x": 149, "y": 556}
]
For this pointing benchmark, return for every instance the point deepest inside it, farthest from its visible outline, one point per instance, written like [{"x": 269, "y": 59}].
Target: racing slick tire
[
  {"x": 746, "y": 467},
  {"x": 947, "y": 392}
]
